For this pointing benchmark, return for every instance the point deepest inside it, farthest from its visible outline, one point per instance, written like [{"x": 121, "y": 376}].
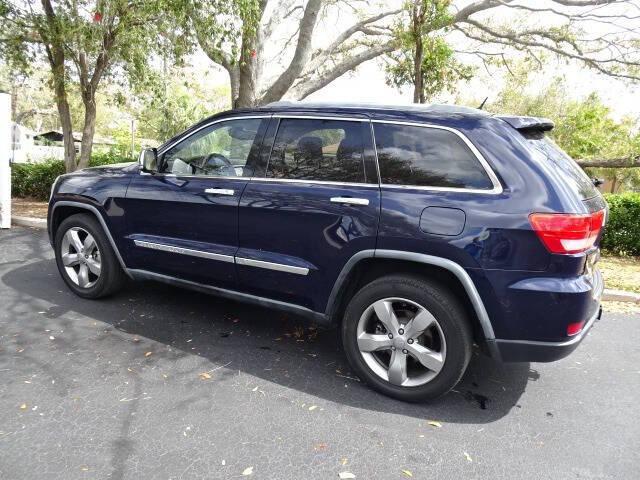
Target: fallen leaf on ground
[
  {"x": 343, "y": 462},
  {"x": 468, "y": 457},
  {"x": 205, "y": 376},
  {"x": 147, "y": 354},
  {"x": 433, "y": 423},
  {"x": 320, "y": 446},
  {"x": 407, "y": 473},
  {"x": 23, "y": 406},
  {"x": 247, "y": 471},
  {"x": 344, "y": 475}
]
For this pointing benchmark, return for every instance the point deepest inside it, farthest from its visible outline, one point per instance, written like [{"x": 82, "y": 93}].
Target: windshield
[{"x": 564, "y": 165}]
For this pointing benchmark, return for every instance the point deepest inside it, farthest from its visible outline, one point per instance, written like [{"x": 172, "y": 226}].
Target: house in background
[{"x": 31, "y": 147}]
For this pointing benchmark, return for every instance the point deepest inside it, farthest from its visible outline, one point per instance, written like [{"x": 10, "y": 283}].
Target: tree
[
  {"x": 426, "y": 62},
  {"x": 584, "y": 128},
  {"x": 82, "y": 42},
  {"x": 235, "y": 34}
]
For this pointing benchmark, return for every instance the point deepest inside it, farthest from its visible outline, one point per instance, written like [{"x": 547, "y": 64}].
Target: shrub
[
  {"x": 34, "y": 180},
  {"x": 622, "y": 233}
]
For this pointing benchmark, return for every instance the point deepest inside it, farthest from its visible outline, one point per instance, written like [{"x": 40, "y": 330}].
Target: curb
[
  {"x": 620, "y": 296},
  {"x": 607, "y": 295},
  {"x": 31, "y": 222}
]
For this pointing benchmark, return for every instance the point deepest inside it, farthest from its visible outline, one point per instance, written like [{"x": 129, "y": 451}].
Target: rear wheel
[
  {"x": 407, "y": 337},
  {"x": 85, "y": 259}
]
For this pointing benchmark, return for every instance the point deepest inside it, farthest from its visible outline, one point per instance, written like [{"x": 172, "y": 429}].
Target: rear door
[
  {"x": 315, "y": 204},
  {"x": 183, "y": 220}
]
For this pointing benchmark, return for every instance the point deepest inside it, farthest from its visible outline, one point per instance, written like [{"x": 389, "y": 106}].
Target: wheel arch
[
  {"x": 367, "y": 265},
  {"x": 63, "y": 209}
]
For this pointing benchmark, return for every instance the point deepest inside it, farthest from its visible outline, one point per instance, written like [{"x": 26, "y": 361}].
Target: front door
[
  {"x": 315, "y": 207},
  {"x": 183, "y": 220}
]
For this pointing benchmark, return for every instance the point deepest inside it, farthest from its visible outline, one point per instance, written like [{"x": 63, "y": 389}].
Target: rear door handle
[
  {"x": 219, "y": 191},
  {"x": 350, "y": 200}
]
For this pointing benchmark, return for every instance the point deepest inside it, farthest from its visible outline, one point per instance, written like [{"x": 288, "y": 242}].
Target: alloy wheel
[
  {"x": 81, "y": 257},
  {"x": 401, "y": 342}
]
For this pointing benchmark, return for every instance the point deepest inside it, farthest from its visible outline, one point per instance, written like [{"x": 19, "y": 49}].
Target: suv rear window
[
  {"x": 563, "y": 164},
  {"x": 428, "y": 157}
]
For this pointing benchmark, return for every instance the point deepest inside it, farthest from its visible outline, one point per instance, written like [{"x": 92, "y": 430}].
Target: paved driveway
[{"x": 158, "y": 382}]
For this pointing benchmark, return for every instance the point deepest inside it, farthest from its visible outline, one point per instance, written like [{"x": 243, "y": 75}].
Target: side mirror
[{"x": 148, "y": 160}]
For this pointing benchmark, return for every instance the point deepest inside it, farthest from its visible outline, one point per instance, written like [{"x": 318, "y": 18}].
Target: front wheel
[
  {"x": 85, "y": 259},
  {"x": 407, "y": 337}
]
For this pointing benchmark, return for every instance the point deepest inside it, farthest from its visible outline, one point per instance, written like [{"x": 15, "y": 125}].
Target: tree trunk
[
  {"x": 418, "y": 52},
  {"x": 88, "y": 129},
  {"x": 234, "y": 81},
  {"x": 64, "y": 112},
  {"x": 418, "y": 95},
  {"x": 248, "y": 80}
]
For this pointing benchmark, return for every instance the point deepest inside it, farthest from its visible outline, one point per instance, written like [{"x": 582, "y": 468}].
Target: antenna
[{"x": 483, "y": 102}]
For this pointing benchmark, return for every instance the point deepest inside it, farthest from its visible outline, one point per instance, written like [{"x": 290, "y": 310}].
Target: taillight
[
  {"x": 575, "y": 328},
  {"x": 567, "y": 232}
]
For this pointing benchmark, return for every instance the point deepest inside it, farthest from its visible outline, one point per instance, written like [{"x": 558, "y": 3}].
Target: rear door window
[
  {"x": 563, "y": 164},
  {"x": 317, "y": 149},
  {"x": 427, "y": 157}
]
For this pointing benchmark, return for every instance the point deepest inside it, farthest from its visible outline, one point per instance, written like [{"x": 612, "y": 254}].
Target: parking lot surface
[{"x": 158, "y": 382}]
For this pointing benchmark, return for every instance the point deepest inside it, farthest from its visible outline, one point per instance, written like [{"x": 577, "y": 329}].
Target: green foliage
[
  {"x": 34, "y": 180},
  {"x": 585, "y": 128},
  {"x": 421, "y": 46},
  {"x": 622, "y": 232}
]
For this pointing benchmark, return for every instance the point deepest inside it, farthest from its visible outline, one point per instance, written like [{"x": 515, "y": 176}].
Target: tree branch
[
  {"x": 300, "y": 57},
  {"x": 306, "y": 87},
  {"x": 630, "y": 162}
]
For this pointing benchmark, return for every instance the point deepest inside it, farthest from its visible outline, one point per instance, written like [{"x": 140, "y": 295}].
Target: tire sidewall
[
  {"x": 442, "y": 306},
  {"x": 91, "y": 226}
]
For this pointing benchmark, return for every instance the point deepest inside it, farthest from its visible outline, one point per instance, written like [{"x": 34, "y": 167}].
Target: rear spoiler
[{"x": 528, "y": 124}]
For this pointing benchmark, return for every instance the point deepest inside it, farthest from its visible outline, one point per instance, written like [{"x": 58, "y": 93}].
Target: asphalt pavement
[{"x": 158, "y": 382}]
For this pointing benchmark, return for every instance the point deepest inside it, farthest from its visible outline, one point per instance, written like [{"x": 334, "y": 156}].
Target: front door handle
[
  {"x": 219, "y": 191},
  {"x": 350, "y": 200}
]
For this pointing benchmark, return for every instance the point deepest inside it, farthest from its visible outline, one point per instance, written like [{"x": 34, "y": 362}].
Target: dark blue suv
[{"x": 418, "y": 231}]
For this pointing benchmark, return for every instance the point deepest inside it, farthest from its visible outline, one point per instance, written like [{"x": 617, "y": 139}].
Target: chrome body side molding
[
  {"x": 184, "y": 251},
  {"x": 280, "y": 267}
]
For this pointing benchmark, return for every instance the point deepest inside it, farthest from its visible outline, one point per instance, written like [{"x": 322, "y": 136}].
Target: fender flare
[
  {"x": 453, "y": 267},
  {"x": 98, "y": 215}
]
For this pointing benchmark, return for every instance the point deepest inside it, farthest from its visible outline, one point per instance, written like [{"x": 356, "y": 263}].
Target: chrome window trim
[
  {"x": 318, "y": 182},
  {"x": 320, "y": 117},
  {"x": 249, "y": 262},
  {"x": 497, "y": 186},
  {"x": 184, "y": 251}
]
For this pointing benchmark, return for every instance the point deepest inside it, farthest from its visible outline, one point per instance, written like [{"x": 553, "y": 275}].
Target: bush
[
  {"x": 622, "y": 233},
  {"x": 34, "y": 180}
]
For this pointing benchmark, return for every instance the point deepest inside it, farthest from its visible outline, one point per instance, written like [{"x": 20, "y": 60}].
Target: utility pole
[
  {"x": 133, "y": 137},
  {"x": 5, "y": 154}
]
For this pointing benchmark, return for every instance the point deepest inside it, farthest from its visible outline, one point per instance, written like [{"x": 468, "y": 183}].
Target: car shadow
[{"x": 266, "y": 344}]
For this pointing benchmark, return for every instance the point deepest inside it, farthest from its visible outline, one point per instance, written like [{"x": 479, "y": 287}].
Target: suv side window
[
  {"x": 219, "y": 150},
  {"x": 429, "y": 157},
  {"x": 315, "y": 149}
]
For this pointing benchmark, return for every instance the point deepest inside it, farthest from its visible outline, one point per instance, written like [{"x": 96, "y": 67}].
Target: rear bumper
[{"x": 536, "y": 351}]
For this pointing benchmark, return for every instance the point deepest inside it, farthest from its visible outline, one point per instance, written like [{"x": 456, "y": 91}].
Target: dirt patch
[
  {"x": 27, "y": 207},
  {"x": 621, "y": 273}
]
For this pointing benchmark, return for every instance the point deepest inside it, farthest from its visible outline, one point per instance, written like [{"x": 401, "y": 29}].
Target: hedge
[
  {"x": 34, "y": 180},
  {"x": 622, "y": 233}
]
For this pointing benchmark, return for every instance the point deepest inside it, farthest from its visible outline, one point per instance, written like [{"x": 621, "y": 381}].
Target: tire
[
  {"x": 111, "y": 277},
  {"x": 448, "y": 340}
]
